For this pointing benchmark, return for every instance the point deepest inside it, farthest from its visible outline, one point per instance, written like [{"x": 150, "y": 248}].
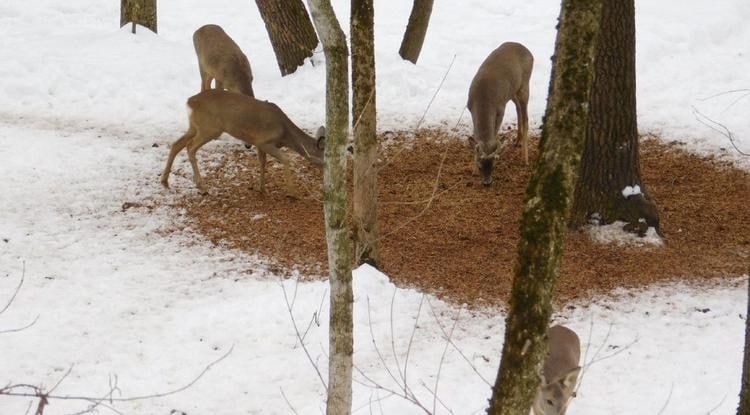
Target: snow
[
  {"x": 631, "y": 191},
  {"x": 132, "y": 291},
  {"x": 614, "y": 233}
]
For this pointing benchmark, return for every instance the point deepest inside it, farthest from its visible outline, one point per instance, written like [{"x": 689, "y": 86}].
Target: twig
[
  {"x": 442, "y": 360},
  {"x": 411, "y": 338},
  {"x": 289, "y": 404},
  {"x": 424, "y": 114},
  {"x": 717, "y": 406},
  {"x": 18, "y": 288},
  {"x": 299, "y": 337},
  {"x": 375, "y": 345},
  {"x": 666, "y": 403},
  {"x": 460, "y": 352},
  {"x": 393, "y": 342},
  {"x": 719, "y": 128}
]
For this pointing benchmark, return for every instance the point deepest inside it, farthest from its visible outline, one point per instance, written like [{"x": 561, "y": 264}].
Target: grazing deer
[
  {"x": 220, "y": 58},
  {"x": 561, "y": 369},
  {"x": 259, "y": 123},
  {"x": 502, "y": 77}
]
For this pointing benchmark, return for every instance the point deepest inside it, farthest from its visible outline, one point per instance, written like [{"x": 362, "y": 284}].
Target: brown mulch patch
[{"x": 462, "y": 245}]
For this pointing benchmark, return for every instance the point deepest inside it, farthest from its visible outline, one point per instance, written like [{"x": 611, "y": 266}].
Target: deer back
[
  {"x": 500, "y": 76},
  {"x": 253, "y": 121},
  {"x": 221, "y": 58},
  {"x": 560, "y": 374}
]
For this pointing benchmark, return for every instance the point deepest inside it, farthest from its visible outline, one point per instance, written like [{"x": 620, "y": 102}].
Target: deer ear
[
  {"x": 570, "y": 378},
  {"x": 321, "y": 144},
  {"x": 320, "y": 132},
  {"x": 471, "y": 141}
]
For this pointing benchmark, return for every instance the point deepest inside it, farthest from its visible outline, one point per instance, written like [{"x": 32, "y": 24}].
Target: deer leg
[
  {"x": 205, "y": 81},
  {"x": 176, "y": 148},
  {"x": 522, "y": 104},
  {"x": 219, "y": 85},
  {"x": 262, "y": 162},
  {"x": 280, "y": 156},
  {"x": 198, "y": 141}
]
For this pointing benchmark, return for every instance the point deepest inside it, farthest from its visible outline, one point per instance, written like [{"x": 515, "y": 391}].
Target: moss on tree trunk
[
  {"x": 142, "y": 12},
  {"x": 338, "y": 239},
  {"x": 548, "y": 200},
  {"x": 365, "y": 197},
  {"x": 744, "y": 406}
]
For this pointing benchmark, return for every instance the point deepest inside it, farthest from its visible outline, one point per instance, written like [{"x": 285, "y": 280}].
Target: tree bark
[
  {"x": 548, "y": 200},
  {"x": 365, "y": 198},
  {"x": 142, "y": 12},
  {"x": 411, "y": 45},
  {"x": 291, "y": 33},
  {"x": 611, "y": 155},
  {"x": 341, "y": 342},
  {"x": 744, "y": 406}
]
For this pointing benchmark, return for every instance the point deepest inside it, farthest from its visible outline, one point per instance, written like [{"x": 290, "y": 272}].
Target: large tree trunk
[
  {"x": 341, "y": 342},
  {"x": 744, "y": 406},
  {"x": 611, "y": 160},
  {"x": 142, "y": 12},
  {"x": 365, "y": 198},
  {"x": 548, "y": 199},
  {"x": 290, "y": 30},
  {"x": 416, "y": 30}
]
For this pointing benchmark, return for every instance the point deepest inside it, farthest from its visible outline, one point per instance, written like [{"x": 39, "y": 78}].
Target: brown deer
[
  {"x": 561, "y": 370},
  {"x": 502, "y": 77},
  {"x": 220, "y": 58},
  {"x": 255, "y": 122}
]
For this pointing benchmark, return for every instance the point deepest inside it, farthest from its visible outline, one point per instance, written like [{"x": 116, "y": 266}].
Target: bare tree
[
  {"x": 411, "y": 45},
  {"x": 142, "y": 12},
  {"x": 548, "y": 201},
  {"x": 365, "y": 197},
  {"x": 611, "y": 160},
  {"x": 335, "y": 206},
  {"x": 291, "y": 33},
  {"x": 744, "y": 406}
]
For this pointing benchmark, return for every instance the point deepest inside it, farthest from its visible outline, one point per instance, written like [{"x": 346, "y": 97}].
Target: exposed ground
[{"x": 458, "y": 240}]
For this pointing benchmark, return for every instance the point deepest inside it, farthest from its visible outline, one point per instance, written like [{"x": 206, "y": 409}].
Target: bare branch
[
  {"x": 460, "y": 352},
  {"x": 18, "y": 288},
  {"x": 719, "y": 128},
  {"x": 300, "y": 338},
  {"x": 442, "y": 360}
]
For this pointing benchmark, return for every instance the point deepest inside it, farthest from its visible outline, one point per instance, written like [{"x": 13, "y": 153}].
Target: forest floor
[{"x": 444, "y": 233}]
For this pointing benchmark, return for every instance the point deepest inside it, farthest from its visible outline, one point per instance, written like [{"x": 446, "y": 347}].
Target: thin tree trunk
[
  {"x": 744, "y": 406},
  {"x": 341, "y": 341},
  {"x": 411, "y": 45},
  {"x": 611, "y": 159},
  {"x": 142, "y": 12},
  {"x": 548, "y": 199},
  {"x": 291, "y": 33},
  {"x": 365, "y": 198}
]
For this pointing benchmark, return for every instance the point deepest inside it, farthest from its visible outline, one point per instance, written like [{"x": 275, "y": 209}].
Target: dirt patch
[{"x": 459, "y": 240}]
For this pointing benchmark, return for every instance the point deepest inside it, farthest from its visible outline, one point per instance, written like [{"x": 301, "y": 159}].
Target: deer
[
  {"x": 503, "y": 76},
  {"x": 260, "y": 123},
  {"x": 560, "y": 373},
  {"x": 221, "y": 59}
]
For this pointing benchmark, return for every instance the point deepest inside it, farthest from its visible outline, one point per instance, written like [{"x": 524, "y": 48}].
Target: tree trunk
[
  {"x": 142, "y": 12},
  {"x": 341, "y": 342},
  {"x": 290, "y": 30},
  {"x": 744, "y": 406},
  {"x": 416, "y": 30},
  {"x": 548, "y": 200},
  {"x": 365, "y": 198},
  {"x": 611, "y": 160}
]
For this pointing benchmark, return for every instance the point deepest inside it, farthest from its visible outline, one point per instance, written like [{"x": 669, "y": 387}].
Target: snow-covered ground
[{"x": 82, "y": 102}]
